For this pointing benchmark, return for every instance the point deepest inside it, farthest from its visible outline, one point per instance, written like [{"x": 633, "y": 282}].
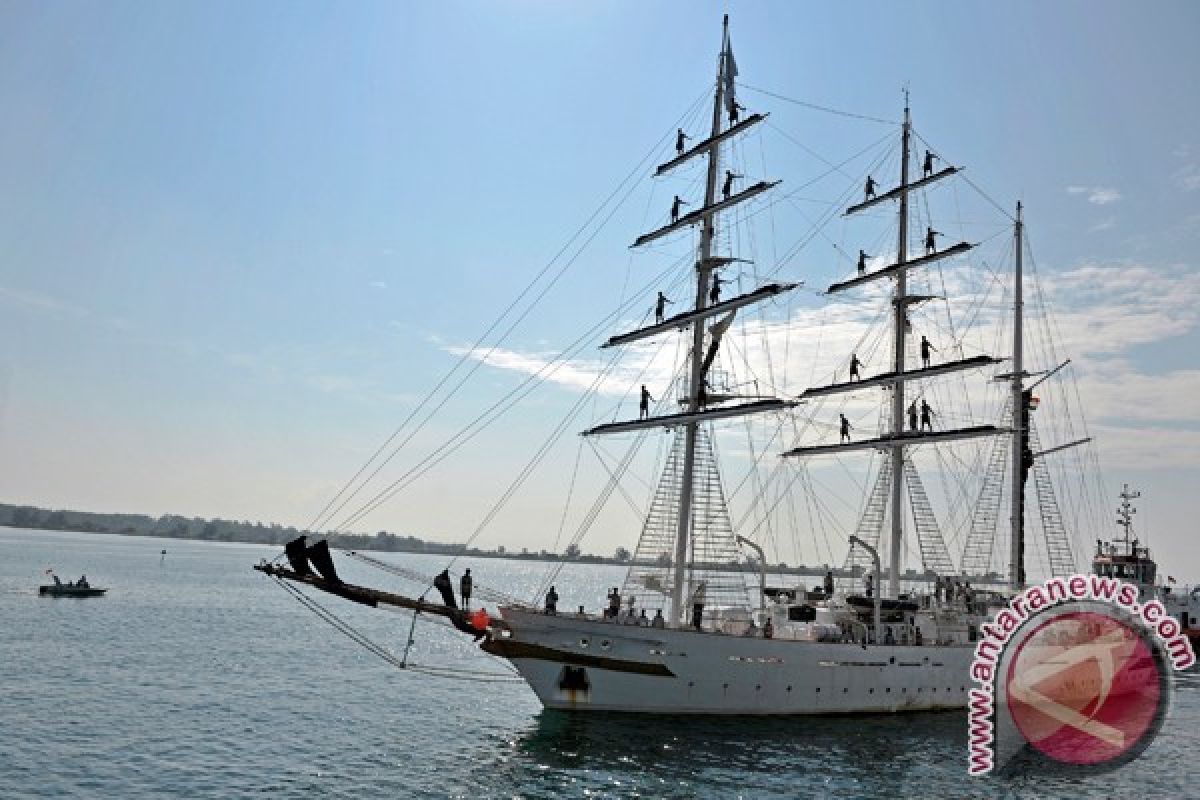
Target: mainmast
[
  {"x": 704, "y": 268},
  {"x": 1020, "y": 419},
  {"x": 899, "y": 321}
]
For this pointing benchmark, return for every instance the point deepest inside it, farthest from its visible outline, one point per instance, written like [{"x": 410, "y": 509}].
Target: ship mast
[
  {"x": 704, "y": 269},
  {"x": 900, "y": 319},
  {"x": 698, "y": 406},
  {"x": 1020, "y": 418}
]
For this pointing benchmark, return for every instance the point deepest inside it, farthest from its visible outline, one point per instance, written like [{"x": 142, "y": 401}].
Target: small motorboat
[{"x": 79, "y": 588}]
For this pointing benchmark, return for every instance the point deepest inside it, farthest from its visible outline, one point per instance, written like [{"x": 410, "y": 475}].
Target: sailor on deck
[
  {"x": 660, "y": 307},
  {"x": 730, "y": 177},
  {"x": 675, "y": 208},
  {"x": 854, "y": 365},
  {"x": 929, "y": 159},
  {"x": 845, "y": 428},
  {"x": 551, "y": 601},
  {"x": 680, "y": 138},
  {"x": 659, "y": 621},
  {"x": 931, "y": 240},
  {"x": 912, "y": 416},
  {"x": 869, "y": 190},
  {"x": 82, "y": 581},
  {"x": 869, "y": 585},
  {"x": 926, "y": 348},
  {"x": 862, "y": 262},
  {"x": 828, "y": 584},
  {"x": 927, "y": 414},
  {"x": 644, "y": 405},
  {"x": 465, "y": 585},
  {"x": 698, "y": 599}
]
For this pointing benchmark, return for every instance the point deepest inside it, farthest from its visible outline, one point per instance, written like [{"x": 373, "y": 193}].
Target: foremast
[
  {"x": 704, "y": 270},
  {"x": 1020, "y": 419},
  {"x": 698, "y": 404}
]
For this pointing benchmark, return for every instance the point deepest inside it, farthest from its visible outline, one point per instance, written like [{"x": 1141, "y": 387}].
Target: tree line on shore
[{"x": 172, "y": 526}]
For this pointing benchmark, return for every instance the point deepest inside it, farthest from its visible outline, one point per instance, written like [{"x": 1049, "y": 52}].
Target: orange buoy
[{"x": 479, "y": 619}]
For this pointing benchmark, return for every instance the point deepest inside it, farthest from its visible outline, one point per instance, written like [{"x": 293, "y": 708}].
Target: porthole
[
  {"x": 888, "y": 690},
  {"x": 605, "y": 645},
  {"x": 583, "y": 642}
]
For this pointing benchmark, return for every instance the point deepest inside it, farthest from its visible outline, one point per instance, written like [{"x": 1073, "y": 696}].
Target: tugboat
[
  {"x": 1128, "y": 559},
  {"x": 79, "y": 588}
]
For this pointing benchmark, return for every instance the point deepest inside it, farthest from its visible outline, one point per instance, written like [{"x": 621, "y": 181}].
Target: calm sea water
[{"x": 197, "y": 677}]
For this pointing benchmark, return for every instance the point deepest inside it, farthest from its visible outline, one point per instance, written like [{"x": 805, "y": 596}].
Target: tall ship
[{"x": 695, "y": 628}]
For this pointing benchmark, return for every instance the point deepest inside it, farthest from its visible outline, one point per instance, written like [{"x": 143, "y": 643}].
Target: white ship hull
[{"x": 584, "y": 664}]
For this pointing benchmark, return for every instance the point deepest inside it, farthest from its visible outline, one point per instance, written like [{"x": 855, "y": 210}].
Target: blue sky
[{"x": 239, "y": 240}]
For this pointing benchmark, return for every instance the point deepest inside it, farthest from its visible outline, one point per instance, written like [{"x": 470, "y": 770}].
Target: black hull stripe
[{"x": 506, "y": 648}]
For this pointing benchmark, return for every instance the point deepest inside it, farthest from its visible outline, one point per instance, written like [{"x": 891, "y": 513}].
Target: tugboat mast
[{"x": 704, "y": 268}]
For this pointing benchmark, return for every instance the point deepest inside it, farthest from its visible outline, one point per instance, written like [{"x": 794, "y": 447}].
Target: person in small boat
[
  {"x": 862, "y": 262},
  {"x": 869, "y": 189},
  {"x": 698, "y": 600},
  {"x": 644, "y": 405},
  {"x": 734, "y": 108},
  {"x": 931, "y": 241},
  {"x": 660, "y": 307},
  {"x": 912, "y": 416},
  {"x": 828, "y": 583},
  {"x": 465, "y": 585},
  {"x": 680, "y": 138},
  {"x": 929, "y": 159},
  {"x": 551, "y": 601},
  {"x": 845, "y": 428},
  {"x": 57, "y": 582},
  {"x": 854, "y": 365},
  {"x": 730, "y": 176},
  {"x": 659, "y": 621},
  {"x": 927, "y": 415},
  {"x": 926, "y": 349},
  {"x": 82, "y": 582},
  {"x": 675, "y": 205}
]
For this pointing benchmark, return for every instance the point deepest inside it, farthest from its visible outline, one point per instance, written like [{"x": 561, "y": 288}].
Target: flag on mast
[{"x": 730, "y": 73}]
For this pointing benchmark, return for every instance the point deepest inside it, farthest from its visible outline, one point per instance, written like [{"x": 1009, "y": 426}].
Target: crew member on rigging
[
  {"x": 660, "y": 307},
  {"x": 845, "y": 427},
  {"x": 714, "y": 294},
  {"x": 680, "y": 138},
  {"x": 927, "y": 415},
  {"x": 644, "y": 406},
  {"x": 926, "y": 347},
  {"x": 730, "y": 176},
  {"x": 912, "y": 416},
  {"x": 930, "y": 241},
  {"x": 675, "y": 208},
  {"x": 870, "y": 189},
  {"x": 854, "y": 365},
  {"x": 734, "y": 108},
  {"x": 862, "y": 262},
  {"x": 929, "y": 159}
]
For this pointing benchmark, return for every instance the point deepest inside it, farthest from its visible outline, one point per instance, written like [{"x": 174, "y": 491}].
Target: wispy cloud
[
  {"x": 1187, "y": 177},
  {"x": 1103, "y": 225},
  {"x": 1097, "y": 195},
  {"x": 41, "y": 301},
  {"x": 379, "y": 284}
]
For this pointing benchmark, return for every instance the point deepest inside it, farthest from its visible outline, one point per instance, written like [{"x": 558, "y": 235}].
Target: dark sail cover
[
  {"x": 446, "y": 588},
  {"x": 318, "y": 554},
  {"x": 295, "y": 551}
]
